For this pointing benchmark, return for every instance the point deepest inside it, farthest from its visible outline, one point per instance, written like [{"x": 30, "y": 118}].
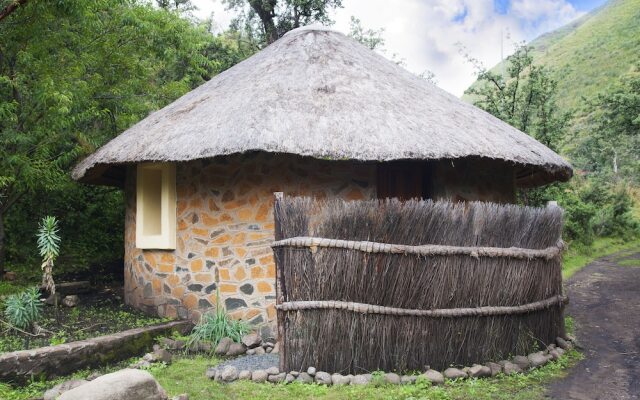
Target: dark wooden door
[{"x": 404, "y": 180}]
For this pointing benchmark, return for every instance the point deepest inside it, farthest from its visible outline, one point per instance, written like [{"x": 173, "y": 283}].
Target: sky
[{"x": 433, "y": 35}]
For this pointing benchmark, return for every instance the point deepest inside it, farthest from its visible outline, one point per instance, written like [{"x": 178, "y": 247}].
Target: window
[{"x": 156, "y": 206}]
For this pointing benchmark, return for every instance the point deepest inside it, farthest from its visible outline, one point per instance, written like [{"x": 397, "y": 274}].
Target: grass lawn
[{"x": 577, "y": 257}]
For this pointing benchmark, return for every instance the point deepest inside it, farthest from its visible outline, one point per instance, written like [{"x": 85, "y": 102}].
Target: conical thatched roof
[{"x": 319, "y": 93}]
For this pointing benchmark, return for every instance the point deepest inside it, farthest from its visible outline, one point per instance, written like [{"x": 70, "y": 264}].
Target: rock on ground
[
  {"x": 251, "y": 340},
  {"x": 323, "y": 378},
  {"x": 495, "y": 368},
  {"x": 126, "y": 384},
  {"x": 362, "y": 379},
  {"x": 434, "y": 377},
  {"x": 454, "y": 373},
  {"x": 538, "y": 359},
  {"x": 479, "y": 371},
  {"x": 71, "y": 300},
  {"x": 304, "y": 378},
  {"x": 60, "y": 388},
  {"x": 339, "y": 380},
  {"x": 259, "y": 375},
  {"x": 392, "y": 378},
  {"x": 521, "y": 361},
  {"x": 223, "y": 346},
  {"x": 235, "y": 349},
  {"x": 511, "y": 368}
]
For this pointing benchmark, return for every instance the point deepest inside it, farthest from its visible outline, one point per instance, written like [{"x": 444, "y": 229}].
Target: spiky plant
[
  {"x": 49, "y": 246},
  {"x": 23, "y": 309}
]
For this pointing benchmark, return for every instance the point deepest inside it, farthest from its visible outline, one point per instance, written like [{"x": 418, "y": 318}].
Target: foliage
[
  {"x": 23, "y": 309},
  {"x": 265, "y": 21},
  {"x": 579, "y": 255},
  {"x": 214, "y": 326},
  {"x": 372, "y": 38},
  {"x": 49, "y": 247}
]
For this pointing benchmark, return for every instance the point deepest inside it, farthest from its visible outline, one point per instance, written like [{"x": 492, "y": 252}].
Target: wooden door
[{"x": 404, "y": 180}]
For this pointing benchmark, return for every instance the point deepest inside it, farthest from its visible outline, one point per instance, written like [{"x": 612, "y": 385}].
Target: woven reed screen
[{"x": 413, "y": 284}]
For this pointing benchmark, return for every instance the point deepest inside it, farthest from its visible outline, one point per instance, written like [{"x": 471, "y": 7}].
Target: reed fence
[{"x": 390, "y": 285}]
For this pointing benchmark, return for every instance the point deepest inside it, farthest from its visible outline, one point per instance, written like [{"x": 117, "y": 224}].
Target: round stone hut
[{"x": 315, "y": 114}]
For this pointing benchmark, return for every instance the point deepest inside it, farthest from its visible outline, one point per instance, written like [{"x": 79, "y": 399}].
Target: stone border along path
[
  {"x": 63, "y": 359},
  {"x": 605, "y": 305},
  {"x": 263, "y": 368}
]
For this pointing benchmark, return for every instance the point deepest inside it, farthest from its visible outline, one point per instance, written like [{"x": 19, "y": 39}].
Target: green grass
[
  {"x": 577, "y": 257},
  {"x": 633, "y": 262}
]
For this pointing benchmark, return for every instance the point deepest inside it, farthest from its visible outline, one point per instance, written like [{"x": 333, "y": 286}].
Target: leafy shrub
[
  {"x": 214, "y": 326},
  {"x": 23, "y": 309}
]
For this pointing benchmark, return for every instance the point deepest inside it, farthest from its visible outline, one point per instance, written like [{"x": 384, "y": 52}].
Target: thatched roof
[{"x": 319, "y": 93}]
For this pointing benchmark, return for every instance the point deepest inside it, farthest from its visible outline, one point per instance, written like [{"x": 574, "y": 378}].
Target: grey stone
[
  {"x": 233, "y": 304},
  {"x": 289, "y": 378},
  {"x": 211, "y": 372},
  {"x": 251, "y": 340},
  {"x": 511, "y": 368},
  {"x": 563, "y": 344},
  {"x": 235, "y": 349},
  {"x": 247, "y": 288},
  {"x": 495, "y": 368},
  {"x": 323, "y": 378},
  {"x": 537, "y": 359},
  {"x": 273, "y": 371},
  {"x": 71, "y": 300},
  {"x": 454, "y": 373},
  {"x": 311, "y": 371},
  {"x": 340, "y": 380},
  {"x": 259, "y": 350},
  {"x": 304, "y": 378},
  {"x": 294, "y": 373},
  {"x": 245, "y": 374},
  {"x": 200, "y": 347},
  {"x": 259, "y": 376},
  {"x": 521, "y": 361},
  {"x": 204, "y": 304},
  {"x": 60, "y": 388},
  {"x": 211, "y": 288},
  {"x": 408, "y": 379},
  {"x": 268, "y": 349},
  {"x": 229, "y": 373},
  {"x": 162, "y": 355},
  {"x": 362, "y": 379},
  {"x": 479, "y": 371},
  {"x": 434, "y": 377},
  {"x": 392, "y": 378},
  {"x": 126, "y": 384},
  {"x": 223, "y": 346},
  {"x": 277, "y": 378},
  {"x": 555, "y": 354},
  {"x": 251, "y": 352},
  {"x": 560, "y": 351}
]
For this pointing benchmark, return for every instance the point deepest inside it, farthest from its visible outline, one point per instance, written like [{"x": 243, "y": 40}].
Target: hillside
[{"x": 590, "y": 53}]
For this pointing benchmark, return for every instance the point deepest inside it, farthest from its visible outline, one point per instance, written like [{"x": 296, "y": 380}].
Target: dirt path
[{"x": 605, "y": 304}]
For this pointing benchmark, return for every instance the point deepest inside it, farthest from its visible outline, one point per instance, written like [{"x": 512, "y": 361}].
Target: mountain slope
[{"x": 592, "y": 52}]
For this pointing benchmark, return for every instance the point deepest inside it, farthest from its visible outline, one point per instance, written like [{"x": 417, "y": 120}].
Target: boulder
[
  {"x": 171, "y": 344},
  {"x": 229, "y": 373},
  {"x": 126, "y": 384},
  {"x": 495, "y": 368},
  {"x": 60, "y": 388},
  {"x": 304, "y": 378},
  {"x": 71, "y": 300},
  {"x": 245, "y": 374},
  {"x": 251, "y": 340},
  {"x": 408, "y": 379},
  {"x": 521, "y": 361},
  {"x": 563, "y": 344},
  {"x": 259, "y": 376},
  {"x": 200, "y": 347},
  {"x": 323, "y": 378},
  {"x": 258, "y": 351},
  {"x": 211, "y": 372},
  {"x": 273, "y": 371},
  {"x": 392, "y": 378},
  {"x": 454, "y": 373},
  {"x": 433, "y": 376},
  {"x": 251, "y": 352},
  {"x": 538, "y": 359},
  {"x": 223, "y": 346},
  {"x": 510, "y": 368},
  {"x": 277, "y": 378},
  {"x": 340, "y": 380},
  {"x": 235, "y": 349},
  {"x": 361, "y": 379},
  {"x": 289, "y": 378},
  {"x": 479, "y": 371},
  {"x": 311, "y": 371},
  {"x": 162, "y": 355}
]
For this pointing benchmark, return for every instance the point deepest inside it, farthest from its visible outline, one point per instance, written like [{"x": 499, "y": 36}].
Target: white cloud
[{"x": 424, "y": 33}]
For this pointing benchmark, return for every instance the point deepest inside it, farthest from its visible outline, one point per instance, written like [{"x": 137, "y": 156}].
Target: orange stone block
[
  {"x": 212, "y": 299},
  {"x": 224, "y": 274},
  {"x": 213, "y": 206},
  {"x": 257, "y": 272},
  {"x": 196, "y": 265},
  {"x": 150, "y": 259},
  {"x": 271, "y": 271},
  {"x": 209, "y": 220},
  {"x": 271, "y": 311},
  {"x": 222, "y": 239},
  {"x": 173, "y": 280},
  {"x": 183, "y": 225},
  {"x": 258, "y": 236},
  {"x": 269, "y": 226},
  {"x": 263, "y": 212},
  {"x": 228, "y": 288},
  {"x": 168, "y": 258},
  {"x": 200, "y": 232},
  {"x": 245, "y": 214},
  {"x": 266, "y": 259},
  {"x": 240, "y": 252},
  {"x": 238, "y": 314},
  {"x": 240, "y": 238},
  {"x": 240, "y": 274},
  {"x": 252, "y": 313},
  {"x": 165, "y": 268},
  {"x": 233, "y": 204},
  {"x": 196, "y": 203},
  {"x": 204, "y": 278},
  {"x": 178, "y": 292},
  {"x": 225, "y": 218},
  {"x": 212, "y": 252},
  {"x": 264, "y": 287},
  {"x": 181, "y": 207},
  {"x": 190, "y": 301},
  {"x": 157, "y": 285}
]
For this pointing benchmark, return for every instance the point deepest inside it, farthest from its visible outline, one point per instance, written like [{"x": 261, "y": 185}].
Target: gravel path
[
  {"x": 252, "y": 362},
  {"x": 605, "y": 304}
]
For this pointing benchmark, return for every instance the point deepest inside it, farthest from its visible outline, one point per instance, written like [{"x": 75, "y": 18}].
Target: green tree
[
  {"x": 74, "y": 74},
  {"x": 265, "y": 21}
]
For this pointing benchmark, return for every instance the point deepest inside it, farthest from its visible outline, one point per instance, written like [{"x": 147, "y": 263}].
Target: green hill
[{"x": 590, "y": 53}]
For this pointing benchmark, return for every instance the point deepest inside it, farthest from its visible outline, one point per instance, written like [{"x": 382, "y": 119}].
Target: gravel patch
[{"x": 252, "y": 362}]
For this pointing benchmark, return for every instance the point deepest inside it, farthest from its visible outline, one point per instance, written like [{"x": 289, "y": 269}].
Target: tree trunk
[
  {"x": 2, "y": 245},
  {"x": 11, "y": 8}
]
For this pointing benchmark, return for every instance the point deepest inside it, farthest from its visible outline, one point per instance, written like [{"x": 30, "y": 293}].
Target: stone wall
[
  {"x": 225, "y": 226},
  {"x": 224, "y": 230}
]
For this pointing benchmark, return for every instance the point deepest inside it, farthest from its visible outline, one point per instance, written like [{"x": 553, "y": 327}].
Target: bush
[
  {"x": 215, "y": 326},
  {"x": 23, "y": 309}
]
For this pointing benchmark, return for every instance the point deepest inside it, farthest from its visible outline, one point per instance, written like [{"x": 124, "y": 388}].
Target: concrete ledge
[{"x": 63, "y": 359}]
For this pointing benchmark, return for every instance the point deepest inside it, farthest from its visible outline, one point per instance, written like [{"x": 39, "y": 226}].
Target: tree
[
  {"x": 95, "y": 68},
  {"x": 265, "y": 21},
  {"x": 372, "y": 38}
]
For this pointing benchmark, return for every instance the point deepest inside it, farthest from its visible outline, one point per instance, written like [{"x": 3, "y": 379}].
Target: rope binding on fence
[
  {"x": 313, "y": 243},
  {"x": 435, "y": 313}
]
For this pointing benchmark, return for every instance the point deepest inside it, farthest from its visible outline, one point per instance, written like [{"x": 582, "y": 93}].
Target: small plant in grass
[
  {"x": 49, "y": 247},
  {"x": 215, "y": 326},
  {"x": 23, "y": 310}
]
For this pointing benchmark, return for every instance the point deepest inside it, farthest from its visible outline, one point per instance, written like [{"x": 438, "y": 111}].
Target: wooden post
[{"x": 280, "y": 283}]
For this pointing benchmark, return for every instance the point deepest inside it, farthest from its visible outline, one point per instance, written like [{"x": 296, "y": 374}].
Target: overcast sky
[{"x": 427, "y": 34}]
